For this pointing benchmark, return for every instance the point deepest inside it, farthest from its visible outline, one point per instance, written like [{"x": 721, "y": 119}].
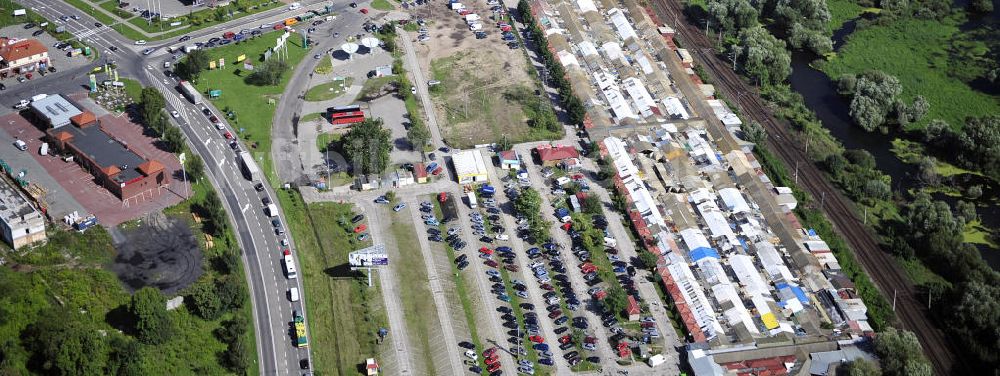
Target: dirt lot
[{"x": 474, "y": 75}]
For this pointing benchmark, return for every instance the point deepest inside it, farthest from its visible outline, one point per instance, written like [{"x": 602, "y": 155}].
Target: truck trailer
[
  {"x": 249, "y": 167},
  {"x": 190, "y": 92}
]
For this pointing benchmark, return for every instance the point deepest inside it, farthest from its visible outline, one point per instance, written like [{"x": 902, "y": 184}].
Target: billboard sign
[{"x": 369, "y": 257}]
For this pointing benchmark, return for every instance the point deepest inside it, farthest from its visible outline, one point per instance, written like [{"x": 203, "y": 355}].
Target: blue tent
[{"x": 702, "y": 252}]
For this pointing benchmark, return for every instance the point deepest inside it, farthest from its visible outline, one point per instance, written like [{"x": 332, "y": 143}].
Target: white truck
[
  {"x": 190, "y": 92},
  {"x": 472, "y": 200},
  {"x": 249, "y": 167},
  {"x": 272, "y": 210}
]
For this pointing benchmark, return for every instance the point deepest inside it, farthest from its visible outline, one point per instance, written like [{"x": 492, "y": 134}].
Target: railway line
[{"x": 879, "y": 265}]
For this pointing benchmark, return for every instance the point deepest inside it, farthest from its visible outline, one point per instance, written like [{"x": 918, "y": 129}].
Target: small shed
[
  {"x": 572, "y": 164},
  {"x": 402, "y": 178},
  {"x": 509, "y": 160},
  {"x": 419, "y": 173},
  {"x": 633, "y": 309}
]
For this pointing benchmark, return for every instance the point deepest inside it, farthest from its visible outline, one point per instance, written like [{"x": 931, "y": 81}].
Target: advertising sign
[
  {"x": 368, "y": 257},
  {"x": 241, "y": 58}
]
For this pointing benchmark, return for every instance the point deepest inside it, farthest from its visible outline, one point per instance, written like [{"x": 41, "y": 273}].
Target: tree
[
  {"x": 193, "y": 65},
  {"x": 981, "y": 6},
  {"x": 238, "y": 355},
  {"x": 216, "y": 213},
  {"x": 974, "y": 191},
  {"x": 174, "y": 139},
  {"x": 898, "y": 352},
  {"x": 418, "y": 135},
  {"x": 390, "y": 196},
  {"x": 859, "y": 367},
  {"x": 763, "y": 57},
  {"x": 617, "y": 300},
  {"x": 977, "y": 320},
  {"x": 66, "y": 344},
  {"x": 268, "y": 74},
  {"x": 194, "y": 166},
  {"x": 151, "y": 104},
  {"x": 367, "y": 145},
  {"x": 149, "y": 307},
  {"x": 126, "y": 358},
  {"x": 927, "y": 172},
  {"x": 648, "y": 259},
  {"x": 592, "y": 205},
  {"x": 980, "y": 145},
  {"x": 232, "y": 292},
  {"x": 918, "y": 109},
  {"x": 528, "y": 203},
  {"x": 731, "y": 16},
  {"x": 874, "y": 95},
  {"x": 205, "y": 300},
  {"x": 754, "y": 132}
]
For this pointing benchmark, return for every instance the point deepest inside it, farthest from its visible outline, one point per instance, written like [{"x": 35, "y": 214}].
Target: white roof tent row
[
  {"x": 734, "y": 200},
  {"x": 586, "y": 6},
  {"x": 629, "y": 174},
  {"x": 748, "y": 276},
  {"x": 675, "y": 107},
  {"x": 695, "y": 297},
  {"x": 587, "y": 48},
  {"x": 640, "y": 96},
  {"x": 621, "y": 24},
  {"x": 774, "y": 265}
]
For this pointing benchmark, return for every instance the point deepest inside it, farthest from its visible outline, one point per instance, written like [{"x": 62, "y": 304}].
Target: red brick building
[{"x": 118, "y": 168}]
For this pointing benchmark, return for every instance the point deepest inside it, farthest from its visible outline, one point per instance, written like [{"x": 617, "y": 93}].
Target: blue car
[
  {"x": 545, "y": 361},
  {"x": 540, "y": 347},
  {"x": 503, "y": 249}
]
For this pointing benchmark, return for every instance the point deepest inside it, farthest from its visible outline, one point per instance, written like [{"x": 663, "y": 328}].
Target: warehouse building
[
  {"x": 470, "y": 167},
  {"x": 23, "y": 223}
]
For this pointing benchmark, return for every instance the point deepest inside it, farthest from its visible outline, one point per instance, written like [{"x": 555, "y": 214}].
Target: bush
[{"x": 268, "y": 74}]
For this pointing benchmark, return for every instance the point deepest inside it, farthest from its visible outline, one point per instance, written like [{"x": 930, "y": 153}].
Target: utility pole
[
  {"x": 796, "y": 172},
  {"x": 894, "y": 300},
  {"x": 822, "y": 200}
]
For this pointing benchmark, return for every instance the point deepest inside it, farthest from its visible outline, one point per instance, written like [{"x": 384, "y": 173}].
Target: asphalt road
[{"x": 261, "y": 247}]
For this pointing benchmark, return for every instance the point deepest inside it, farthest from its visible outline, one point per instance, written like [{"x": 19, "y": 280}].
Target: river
[{"x": 820, "y": 95}]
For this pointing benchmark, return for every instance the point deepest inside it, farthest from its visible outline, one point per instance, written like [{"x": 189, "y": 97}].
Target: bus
[
  {"x": 346, "y": 114},
  {"x": 290, "y": 267}
]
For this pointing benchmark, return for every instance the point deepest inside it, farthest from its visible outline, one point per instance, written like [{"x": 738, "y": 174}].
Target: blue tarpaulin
[
  {"x": 702, "y": 252},
  {"x": 799, "y": 294}
]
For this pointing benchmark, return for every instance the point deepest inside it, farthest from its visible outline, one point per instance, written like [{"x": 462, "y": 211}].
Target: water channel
[{"x": 820, "y": 95}]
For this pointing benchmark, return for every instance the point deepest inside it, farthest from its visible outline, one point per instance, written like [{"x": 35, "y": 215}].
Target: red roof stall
[
  {"x": 553, "y": 155},
  {"x": 633, "y": 309}
]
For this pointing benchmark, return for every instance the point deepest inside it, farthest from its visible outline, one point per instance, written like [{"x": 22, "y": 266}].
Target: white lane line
[{"x": 245, "y": 207}]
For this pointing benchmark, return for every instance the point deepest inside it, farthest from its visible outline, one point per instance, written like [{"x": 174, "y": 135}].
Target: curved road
[{"x": 261, "y": 249}]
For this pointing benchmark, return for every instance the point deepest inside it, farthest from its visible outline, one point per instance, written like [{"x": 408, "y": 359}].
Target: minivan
[
  {"x": 293, "y": 294},
  {"x": 20, "y": 145}
]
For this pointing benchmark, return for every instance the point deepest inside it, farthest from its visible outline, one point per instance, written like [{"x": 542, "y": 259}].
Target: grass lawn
[
  {"x": 916, "y": 52},
  {"x": 250, "y": 103},
  {"x": 329, "y": 90},
  {"x": 841, "y": 11},
  {"x": 913, "y": 152},
  {"x": 344, "y": 313},
  {"x": 372, "y": 85},
  {"x": 325, "y": 66},
  {"x": 418, "y": 306},
  {"x": 975, "y": 233},
  {"x": 195, "y": 21},
  {"x": 311, "y": 117},
  {"x": 112, "y": 6},
  {"x": 132, "y": 88},
  {"x": 384, "y": 5}
]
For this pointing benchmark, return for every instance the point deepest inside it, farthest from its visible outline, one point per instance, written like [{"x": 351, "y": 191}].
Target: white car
[
  {"x": 471, "y": 354},
  {"x": 175, "y": 114},
  {"x": 140, "y": 42}
]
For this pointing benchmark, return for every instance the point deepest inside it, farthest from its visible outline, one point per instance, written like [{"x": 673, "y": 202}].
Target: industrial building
[
  {"x": 23, "y": 223},
  {"x": 470, "y": 167},
  {"x": 117, "y": 167}
]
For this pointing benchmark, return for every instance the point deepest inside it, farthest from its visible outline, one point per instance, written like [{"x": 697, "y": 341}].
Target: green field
[
  {"x": 189, "y": 22},
  {"x": 841, "y": 11},
  {"x": 917, "y": 52},
  {"x": 383, "y": 5},
  {"x": 329, "y": 90},
  {"x": 419, "y": 311},
  {"x": 250, "y": 103},
  {"x": 71, "y": 272},
  {"x": 344, "y": 313}
]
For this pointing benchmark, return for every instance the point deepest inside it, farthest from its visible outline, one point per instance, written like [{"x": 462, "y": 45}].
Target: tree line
[{"x": 556, "y": 74}]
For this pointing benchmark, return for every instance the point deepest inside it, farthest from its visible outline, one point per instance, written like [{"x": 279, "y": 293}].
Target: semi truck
[
  {"x": 300, "y": 332},
  {"x": 190, "y": 92},
  {"x": 249, "y": 167}
]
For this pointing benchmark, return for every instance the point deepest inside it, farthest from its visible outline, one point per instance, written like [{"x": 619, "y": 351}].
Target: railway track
[{"x": 880, "y": 266}]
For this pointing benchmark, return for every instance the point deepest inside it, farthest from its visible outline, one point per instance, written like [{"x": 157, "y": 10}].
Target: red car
[
  {"x": 493, "y": 367},
  {"x": 547, "y": 287},
  {"x": 555, "y": 314},
  {"x": 229, "y": 35},
  {"x": 287, "y": 252},
  {"x": 565, "y": 339},
  {"x": 493, "y": 359},
  {"x": 360, "y": 228},
  {"x": 364, "y": 10},
  {"x": 279, "y": 26},
  {"x": 485, "y": 250},
  {"x": 489, "y": 352},
  {"x": 512, "y": 268},
  {"x": 536, "y": 339},
  {"x": 492, "y": 264},
  {"x": 229, "y": 136}
]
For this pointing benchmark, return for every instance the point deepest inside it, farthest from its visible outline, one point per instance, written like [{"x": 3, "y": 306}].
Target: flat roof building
[
  {"x": 55, "y": 110},
  {"x": 470, "y": 167},
  {"x": 116, "y": 166},
  {"x": 22, "y": 223}
]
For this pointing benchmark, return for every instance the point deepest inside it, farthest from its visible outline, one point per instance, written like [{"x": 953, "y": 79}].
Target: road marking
[
  {"x": 245, "y": 207},
  {"x": 221, "y": 162}
]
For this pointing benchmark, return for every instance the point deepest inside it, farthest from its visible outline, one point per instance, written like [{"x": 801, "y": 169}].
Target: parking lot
[
  {"x": 77, "y": 189},
  {"x": 59, "y": 59}
]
